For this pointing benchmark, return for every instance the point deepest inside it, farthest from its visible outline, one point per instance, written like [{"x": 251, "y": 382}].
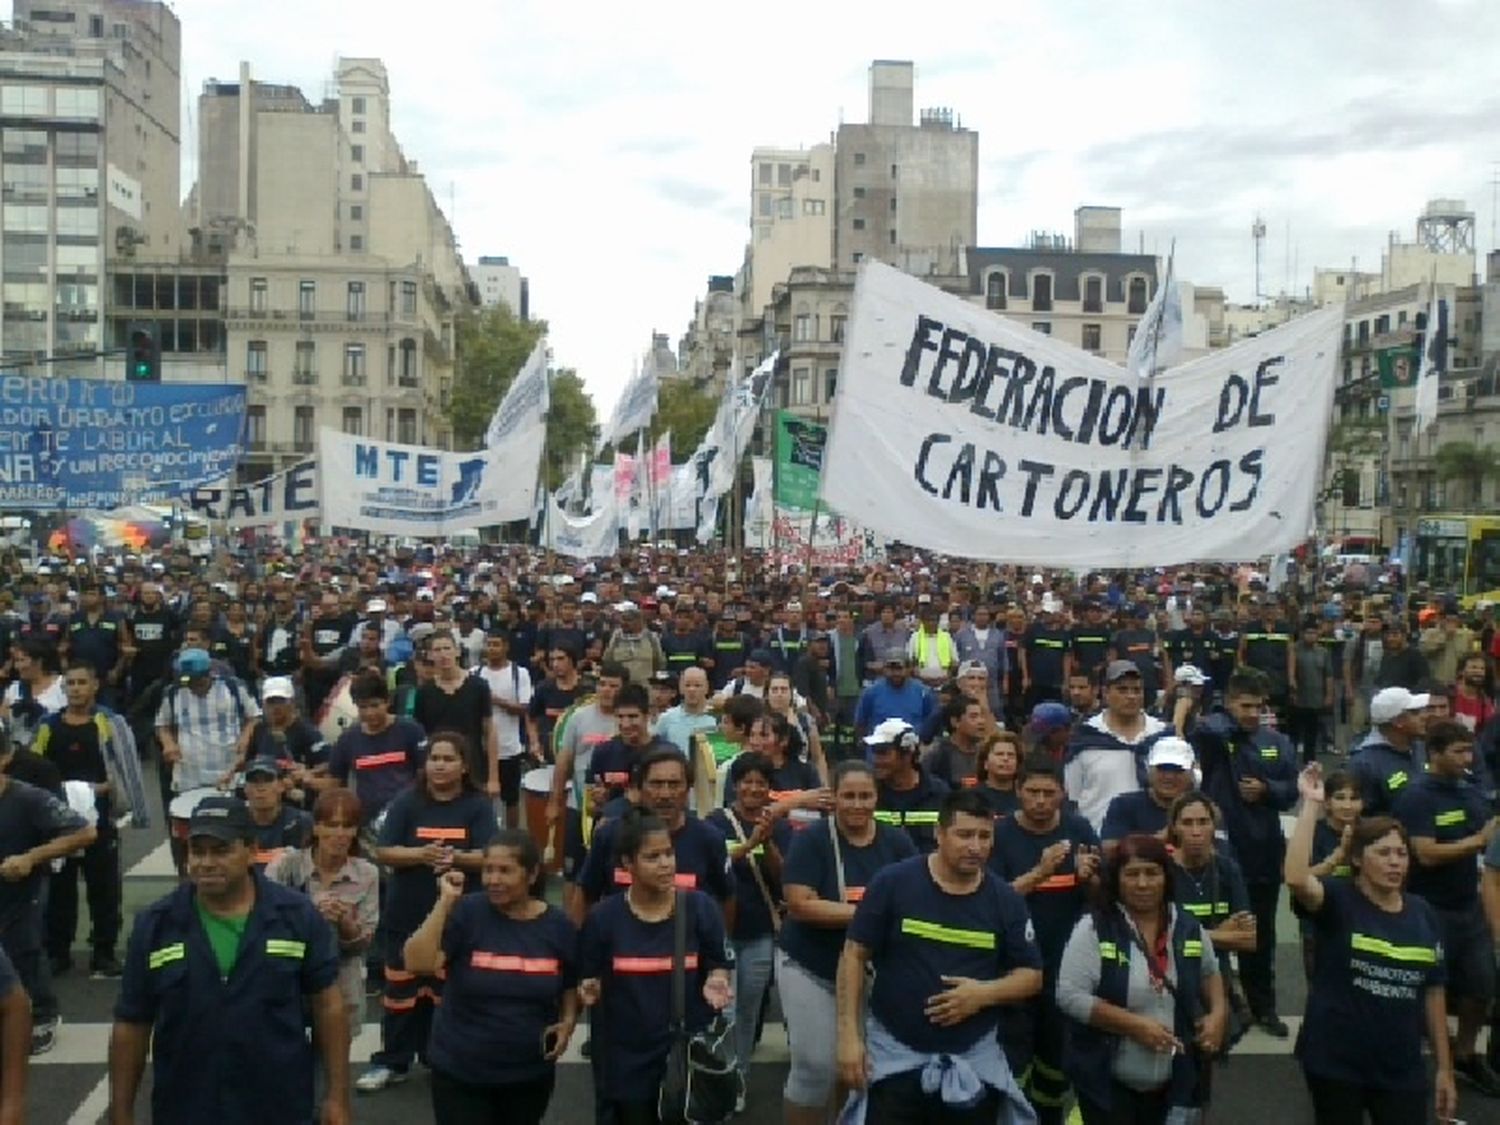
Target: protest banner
[
  {"x": 288, "y": 495},
  {"x": 395, "y": 489},
  {"x": 959, "y": 431},
  {"x": 584, "y": 537},
  {"x": 92, "y": 443},
  {"x": 799, "y": 460}
]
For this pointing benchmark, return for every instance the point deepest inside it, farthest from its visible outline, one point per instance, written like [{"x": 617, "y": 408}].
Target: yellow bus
[{"x": 1460, "y": 554}]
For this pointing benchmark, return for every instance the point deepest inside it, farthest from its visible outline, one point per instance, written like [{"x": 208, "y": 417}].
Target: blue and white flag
[
  {"x": 1157, "y": 344},
  {"x": 525, "y": 403},
  {"x": 1434, "y": 363},
  {"x": 635, "y": 408}
]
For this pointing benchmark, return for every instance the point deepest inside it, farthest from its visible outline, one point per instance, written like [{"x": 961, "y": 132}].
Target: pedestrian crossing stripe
[{"x": 87, "y": 1044}]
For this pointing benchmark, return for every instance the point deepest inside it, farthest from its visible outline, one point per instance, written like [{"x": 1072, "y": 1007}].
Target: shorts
[
  {"x": 1468, "y": 953},
  {"x": 510, "y": 779}
]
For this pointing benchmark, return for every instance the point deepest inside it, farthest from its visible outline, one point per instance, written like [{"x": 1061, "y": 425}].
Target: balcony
[
  {"x": 256, "y": 444},
  {"x": 304, "y": 378},
  {"x": 256, "y": 375},
  {"x": 354, "y": 380}
]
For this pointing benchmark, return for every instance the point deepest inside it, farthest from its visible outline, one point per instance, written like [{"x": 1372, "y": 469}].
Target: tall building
[
  {"x": 907, "y": 194},
  {"x": 501, "y": 283},
  {"x": 342, "y": 276},
  {"x": 706, "y": 351},
  {"x": 791, "y": 216},
  {"x": 89, "y": 159}
]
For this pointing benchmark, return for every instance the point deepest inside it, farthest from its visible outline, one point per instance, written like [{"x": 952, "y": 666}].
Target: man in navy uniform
[{"x": 218, "y": 976}]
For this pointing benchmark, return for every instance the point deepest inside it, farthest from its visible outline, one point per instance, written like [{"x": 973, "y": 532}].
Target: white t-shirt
[
  {"x": 51, "y": 701},
  {"x": 512, "y": 684}
]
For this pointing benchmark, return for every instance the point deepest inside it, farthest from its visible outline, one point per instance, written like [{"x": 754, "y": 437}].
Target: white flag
[
  {"x": 1434, "y": 363},
  {"x": 1158, "y": 336},
  {"x": 526, "y": 400},
  {"x": 636, "y": 407},
  {"x": 583, "y": 537},
  {"x": 734, "y": 425},
  {"x": 759, "y": 512}
]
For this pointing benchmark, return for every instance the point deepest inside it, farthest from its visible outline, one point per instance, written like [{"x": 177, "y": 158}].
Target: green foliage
[
  {"x": 571, "y": 426},
  {"x": 492, "y": 345},
  {"x": 1468, "y": 462}
]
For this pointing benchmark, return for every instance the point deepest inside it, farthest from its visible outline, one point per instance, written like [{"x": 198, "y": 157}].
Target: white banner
[
  {"x": 830, "y": 541},
  {"x": 677, "y": 503},
  {"x": 281, "y": 498},
  {"x": 636, "y": 408},
  {"x": 583, "y": 537},
  {"x": 526, "y": 400},
  {"x": 759, "y": 509},
  {"x": 395, "y": 489},
  {"x": 960, "y": 431}
]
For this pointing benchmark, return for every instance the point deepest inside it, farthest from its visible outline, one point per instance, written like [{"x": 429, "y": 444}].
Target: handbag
[{"x": 701, "y": 1085}]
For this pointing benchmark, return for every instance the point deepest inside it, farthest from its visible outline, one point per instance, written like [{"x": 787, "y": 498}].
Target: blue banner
[{"x": 92, "y": 443}]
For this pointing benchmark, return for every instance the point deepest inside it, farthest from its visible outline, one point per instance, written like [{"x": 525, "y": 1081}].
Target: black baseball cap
[{"x": 222, "y": 818}]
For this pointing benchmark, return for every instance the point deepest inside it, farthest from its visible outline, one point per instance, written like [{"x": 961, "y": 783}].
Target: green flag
[
  {"x": 1398, "y": 367},
  {"x": 799, "y": 460}
]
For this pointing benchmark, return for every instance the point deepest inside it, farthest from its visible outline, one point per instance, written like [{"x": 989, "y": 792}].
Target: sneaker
[
  {"x": 105, "y": 966},
  {"x": 1476, "y": 1072},
  {"x": 44, "y": 1036},
  {"x": 377, "y": 1078},
  {"x": 1274, "y": 1026}
]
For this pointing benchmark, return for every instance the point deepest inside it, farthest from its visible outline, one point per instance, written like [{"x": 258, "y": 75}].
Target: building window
[
  {"x": 893, "y": 171},
  {"x": 1042, "y": 326},
  {"x": 1093, "y": 295},
  {"x": 812, "y": 207},
  {"x": 357, "y": 105},
  {"x": 1382, "y": 324},
  {"x": 357, "y": 182},
  {"x": 784, "y": 175},
  {"x": 356, "y": 211},
  {"x": 859, "y": 193},
  {"x": 801, "y": 386},
  {"x": 1093, "y": 337},
  {"x": 784, "y": 208},
  {"x": 765, "y": 174},
  {"x": 859, "y": 224},
  {"x": 255, "y": 428},
  {"x": 356, "y": 244},
  {"x": 805, "y": 328},
  {"x": 858, "y": 257},
  {"x": 307, "y": 300},
  {"x": 354, "y": 365},
  {"x": 994, "y": 291},
  {"x": 830, "y": 383},
  {"x": 406, "y": 426},
  {"x": 354, "y": 306},
  {"x": 357, "y": 153},
  {"x": 893, "y": 237},
  {"x": 408, "y": 298},
  {"x": 1041, "y": 292},
  {"x": 304, "y": 429},
  {"x": 354, "y": 421},
  {"x": 837, "y": 326},
  {"x": 766, "y": 204},
  {"x": 407, "y": 373},
  {"x": 258, "y": 291},
  {"x": 859, "y": 159},
  {"x": 1350, "y": 488},
  {"x": 1137, "y": 296},
  {"x": 817, "y": 176},
  {"x": 306, "y": 370},
  {"x": 358, "y": 127},
  {"x": 255, "y": 361}
]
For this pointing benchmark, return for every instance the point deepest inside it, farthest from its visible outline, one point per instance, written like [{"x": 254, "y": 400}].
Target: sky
[{"x": 605, "y": 148}]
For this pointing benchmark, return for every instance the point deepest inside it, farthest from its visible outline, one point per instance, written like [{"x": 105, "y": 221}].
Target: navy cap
[
  {"x": 263, "y": 766},
  {"x": 223, "y": 818}
]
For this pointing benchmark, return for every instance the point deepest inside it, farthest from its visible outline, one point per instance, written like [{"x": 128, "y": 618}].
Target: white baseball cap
[
  {"x": 1171, "y": 752},
  {"x": 376, "y": 605},
  {"x": 890, "y": 733},
  {"x": 589, "y": 598},
  {"x": 278, "y": 687},
  {"x": 1190, "y": 674},
  {"x": 1391, "y": 703}
]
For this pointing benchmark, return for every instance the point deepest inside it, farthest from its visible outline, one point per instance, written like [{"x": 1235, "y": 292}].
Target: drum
[
  {"x": 180, "y": 811},
  {"x": 338, "y": 712},
  {"x": 536, "y": 788}
]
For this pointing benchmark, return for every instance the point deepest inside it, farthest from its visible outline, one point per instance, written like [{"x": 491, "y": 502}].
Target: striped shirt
[{"x": 208, "y": 727}]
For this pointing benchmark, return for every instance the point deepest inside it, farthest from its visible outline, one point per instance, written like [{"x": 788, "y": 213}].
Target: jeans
[{"x": 753, "y": 963}]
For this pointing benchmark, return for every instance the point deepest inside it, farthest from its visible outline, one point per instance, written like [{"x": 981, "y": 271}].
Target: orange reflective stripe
[
  {"x": 616, "y": 777},
  {"x": 854, "y": 894},
  {"x": 785, "y": 794},
  {"x": 398, "y": 1005},
  {"x": 970, "y": 782},
  {"x": 638, "y": 965},
  {"x": 375, "y": 761},
  {"x": 1058, "y": 883},
  {"x": 457, "y": 834},
  {"x": 683, "y": 880},
  {"x": 269, "y": 856},
  {"x": 510, "y": 963},
  {"x": 398, "y": 976}
]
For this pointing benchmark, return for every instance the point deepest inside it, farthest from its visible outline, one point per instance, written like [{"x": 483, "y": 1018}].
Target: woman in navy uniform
[
  {"x": 509, "y": 1003},
  {"x": 1378, "y": 977},
  {"x": 219, "y": 976},
  {"x": 626, "y": 962}
]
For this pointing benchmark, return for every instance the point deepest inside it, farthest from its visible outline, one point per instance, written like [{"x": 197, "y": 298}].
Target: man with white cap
[
  {"x": 1170, "y": 773},
  {"x": 907, "y": 796},
  {"x": 1390, "y": 758},
  {"x": 377, "y": 615},
  {"x": 1187, "y": 700}
]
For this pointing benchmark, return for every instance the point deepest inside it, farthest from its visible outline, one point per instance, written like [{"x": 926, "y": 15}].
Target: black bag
[{"x": 701, "y": 1085}]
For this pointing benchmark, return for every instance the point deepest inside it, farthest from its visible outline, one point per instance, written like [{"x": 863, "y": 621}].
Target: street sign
[{"x": 1383, "y": 403}]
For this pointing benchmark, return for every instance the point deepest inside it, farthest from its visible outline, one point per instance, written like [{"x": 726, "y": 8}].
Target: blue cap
[
  {"x": 193, "y": 662},
  {"x": 1051, "y": 717}
]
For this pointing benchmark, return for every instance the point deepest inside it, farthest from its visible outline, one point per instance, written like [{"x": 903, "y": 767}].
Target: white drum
[
  {"x": 338, "y": 712},
  {"x": 180, "y": 811}
]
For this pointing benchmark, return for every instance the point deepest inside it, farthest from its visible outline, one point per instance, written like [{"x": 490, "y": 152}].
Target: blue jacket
[
  {"x": 1383, "y": 771},
  {"x": 1228, "y": 754},
  {"x": 231, "y": 1051}
]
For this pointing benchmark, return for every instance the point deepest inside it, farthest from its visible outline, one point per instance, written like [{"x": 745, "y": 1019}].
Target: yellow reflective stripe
[
  {"x": 920, "y": 817},
  {"x": 914, "y": 817},
  {"x": 1109, "y": 951},
  {"x": 948, "y": 935},
  {"x": 281, "y": 947},
  {"x": 166, "y": 955},
  {"x": 1205, "y": 909},
  {"x": 1453, "y": 816},
  {"x": 1192, "y": 949},
  {"x": 883, "y": 817},
  {"x": 1269, "y": 752},
  {"x": 1418, "y": 954},
  {"x": 1396, "y": 780}
]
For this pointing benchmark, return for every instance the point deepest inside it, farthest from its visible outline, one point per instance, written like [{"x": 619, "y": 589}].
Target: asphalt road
[{"x": 1260, "y": 1084}]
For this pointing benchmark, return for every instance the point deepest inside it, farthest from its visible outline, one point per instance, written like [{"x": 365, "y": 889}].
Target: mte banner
[
  {"x": 270, "y": 502},
  {"x": 963, "y": 432},
  {"x": 412, "y": 490},
  {"x": 92, "y": 443}
]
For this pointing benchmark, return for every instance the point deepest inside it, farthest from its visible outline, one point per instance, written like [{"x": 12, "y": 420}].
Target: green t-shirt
[{"x": 224, "y": 937}]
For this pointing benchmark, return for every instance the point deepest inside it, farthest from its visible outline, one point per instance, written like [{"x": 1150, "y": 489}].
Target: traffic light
[{"x": 143, "y": 363}]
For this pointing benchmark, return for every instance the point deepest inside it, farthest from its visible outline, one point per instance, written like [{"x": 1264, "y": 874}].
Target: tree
[
  {"x": 1350, "y": 444},
  {"x": 492, "y": 345},
  {"x": 1467, "y": 462},
  {"x": 571, "y": 426}
]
